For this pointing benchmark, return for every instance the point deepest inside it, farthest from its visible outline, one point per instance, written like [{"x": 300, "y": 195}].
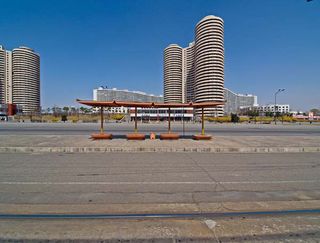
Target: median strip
[{"x": 125, "y": 149}]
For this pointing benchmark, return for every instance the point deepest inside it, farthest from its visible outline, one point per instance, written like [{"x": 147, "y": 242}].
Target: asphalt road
[
  {"x": 144, "y": 178},
  {"x": 189, "y": 128}
]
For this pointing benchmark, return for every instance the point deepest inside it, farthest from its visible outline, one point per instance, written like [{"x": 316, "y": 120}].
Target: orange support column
[
  {"x": 101, "y": 119},
  {"x": 101, "y": 135},
  {"x": 202, "y": 136},
  {"x": 135, "y": 120},
  {"x": 169, "y": 120},
  {"x": 135, "y": 135},
  {"x": 169, "y": 135},
  {"x": 202, "y": 120}
]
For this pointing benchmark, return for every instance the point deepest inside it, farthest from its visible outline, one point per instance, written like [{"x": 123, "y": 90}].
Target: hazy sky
[{"x": 269, "y": 44}]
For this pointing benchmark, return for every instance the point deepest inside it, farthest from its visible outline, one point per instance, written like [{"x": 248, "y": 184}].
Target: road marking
[
  {"x": 163, "y": 215},
  {"x": 153, "y": 182}
]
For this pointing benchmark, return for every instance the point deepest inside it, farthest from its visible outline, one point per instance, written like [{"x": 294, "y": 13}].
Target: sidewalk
[
  {"x": 222, "y": 144},
  {"x": 239, "y": 229}
]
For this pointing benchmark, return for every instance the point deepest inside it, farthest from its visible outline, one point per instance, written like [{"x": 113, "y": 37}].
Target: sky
[{"x": 269, "y": 44}]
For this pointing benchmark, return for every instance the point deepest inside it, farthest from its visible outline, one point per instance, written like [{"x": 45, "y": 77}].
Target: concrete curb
[
  {"x": 158, "y": 149},
  {"x": 142, "y": 240}
]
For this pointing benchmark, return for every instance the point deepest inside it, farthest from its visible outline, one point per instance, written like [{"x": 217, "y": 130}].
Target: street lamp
[{"x": 275, "y": 104}]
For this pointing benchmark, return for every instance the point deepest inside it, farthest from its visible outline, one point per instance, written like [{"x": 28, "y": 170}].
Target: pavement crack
[
  {"x": 206, "y": 172},
  {"x": 89, "y": 174}
]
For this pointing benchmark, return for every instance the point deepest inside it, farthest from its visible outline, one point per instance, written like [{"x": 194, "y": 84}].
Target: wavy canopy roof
[{"x": 147, "y": 104}]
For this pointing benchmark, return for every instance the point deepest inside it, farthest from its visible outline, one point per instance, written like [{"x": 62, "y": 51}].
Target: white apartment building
[
  {"x": 235, "y": 102},
  {"x": 20, "y": 78},
  {"x": 173, "y": 73},
  {"x": 196, "y": 73},
  {"x": 104, "y": 94},
  {"x": 8, "y": 86},
  {"x": 275, "y": 108},
  {"x": 5, "y": 76},
  {"x": 188, "y": 74},
  {"x": 161, "y": 114}
]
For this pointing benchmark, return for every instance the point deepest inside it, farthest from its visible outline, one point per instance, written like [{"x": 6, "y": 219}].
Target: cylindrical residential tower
[
  {"x": 173, "y": 74},
  {"x": 2, "y": 74},
  {"x": 209, "y": 63},
  {"x": 188, "y": 73},
  {"x": 26, "y": 79}
]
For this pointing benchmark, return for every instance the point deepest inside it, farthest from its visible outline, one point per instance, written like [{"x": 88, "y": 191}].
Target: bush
[
  {"x": 264, "y": 119},
  {"x": 73, "y": 119},
  {"x": 117, "y": 117},
  {"x": 220, "y": 119},
  {"x": 64, "y": 118},
  {"x": 234, "y": 118},
  {"x": 54, "y": 119},
  {"x": 244, "y": 119}
]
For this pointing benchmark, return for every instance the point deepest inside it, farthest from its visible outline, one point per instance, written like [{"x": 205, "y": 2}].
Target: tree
[
  {"x": 65, "y": 109},
  {"x": 253, "y": 113},
  {"x": 269, "y": 113},
  {"x": 64, "y": 118},
  {"x": 83, "y": 109},
  {"x": 73, "y": 110},
  {"x": 56, "y": 110},
  {"x": 234, "y": 118},
  {"x": 315, "y": 111}
]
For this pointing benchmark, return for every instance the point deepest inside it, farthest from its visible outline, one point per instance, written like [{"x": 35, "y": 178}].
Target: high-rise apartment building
[
  {"x": 2, "y": 74},
  {"x": 20, "y": 78},
  {"x": 188, "y": 73},
  {"x": 173, "y": 83},
  {"x": 5, "y": 76},
  {"x": 8, "y": 80},
  {"x": 196, "y": 73},
  {"x": 26, "y": 79},
  {"x": 209, "y": 63}
]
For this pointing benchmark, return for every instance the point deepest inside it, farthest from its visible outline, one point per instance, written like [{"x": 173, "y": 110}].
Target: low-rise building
[
  {"x": 161, "y": 114},
  {"x": 236, "y": 102},
  {"x": 9, "y": 110},
  {"x": 105, "y": 94},
  {"x": 275, "y": 108}
]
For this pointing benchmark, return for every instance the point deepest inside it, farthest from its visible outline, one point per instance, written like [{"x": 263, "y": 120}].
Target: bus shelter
[{"x": 138, "y": 136}]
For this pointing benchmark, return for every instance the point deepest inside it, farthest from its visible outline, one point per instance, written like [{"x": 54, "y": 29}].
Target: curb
[{"x": 158, "y": 149}]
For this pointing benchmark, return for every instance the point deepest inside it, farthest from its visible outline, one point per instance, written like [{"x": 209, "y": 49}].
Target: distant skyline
[{"x": 85, "y": 44}]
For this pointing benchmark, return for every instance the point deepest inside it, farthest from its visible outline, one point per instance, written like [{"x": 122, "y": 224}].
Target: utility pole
[{"x": 275, "y": 104}]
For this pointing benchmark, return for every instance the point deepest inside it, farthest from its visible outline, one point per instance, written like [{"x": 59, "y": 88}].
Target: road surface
[
  {"x": 189, "y": 129},
  {"x": 144, "y": 178},
  {"x": 145, "y": 182}
]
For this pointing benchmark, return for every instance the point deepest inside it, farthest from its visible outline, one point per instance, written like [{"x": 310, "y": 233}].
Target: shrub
[
  {"x": 234, "y": 118},
  {"x": 220, "y": 119},
  {"x": 64, "y": 118},
  {"x": 54, "y": 119},
  {"x": 244, "y": 119},
  {"x": 117, "y": 117}
]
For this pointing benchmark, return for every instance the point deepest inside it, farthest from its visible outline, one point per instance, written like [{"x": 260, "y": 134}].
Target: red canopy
[{"x": 147, "y": 104}]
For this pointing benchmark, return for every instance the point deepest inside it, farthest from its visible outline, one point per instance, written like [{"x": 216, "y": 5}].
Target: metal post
[
  {"x": 135, "y": 120},
  {"x": 275, "y": 104},
  {"x": 183, "y": 128},
  {"x": 169, "y": 124},
  {"x": 101, "y": 118},
  {"x": 202, "y": 118}
]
